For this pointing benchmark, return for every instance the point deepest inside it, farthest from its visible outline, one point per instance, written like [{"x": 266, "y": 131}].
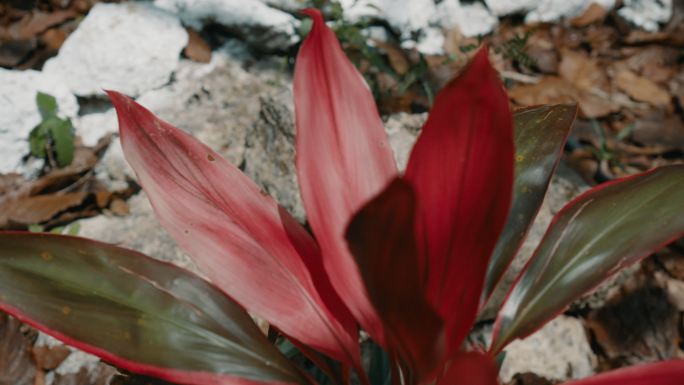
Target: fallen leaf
[
  {"x": 659, "y": 129},
  {"x": 50, "y": 357},
  {"x": 582, "y": 71},
  {"x": 119, "y": 207},
  {"x": 37, "y": 209},
  {"x": 395, "y": 55},
  {"x": 554, "y": 90},
  {"x": 197, "y": 48},
  {"x": 16, "y": 365},
  {"x": 14, "y": 52},
  {"x": 594, "y": 14},
  {"x": 642, "y": 89}
]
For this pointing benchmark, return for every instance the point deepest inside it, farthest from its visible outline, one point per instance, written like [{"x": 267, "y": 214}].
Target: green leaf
[
  {"x": 592, "y": 237},
  {"x": 62, "y": 134},
  {"x": 38, "y": 141},
  {"x": 47, "y": 105},
  {"x": 540, "y": 133},
  {"x": 141, "y": 314}
]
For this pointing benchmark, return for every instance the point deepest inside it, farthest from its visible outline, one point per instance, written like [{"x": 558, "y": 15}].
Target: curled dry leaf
[{"x": 642, "y": 89}]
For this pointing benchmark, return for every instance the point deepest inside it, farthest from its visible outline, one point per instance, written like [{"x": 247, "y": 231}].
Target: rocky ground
[{"x": 222, "y": 71}]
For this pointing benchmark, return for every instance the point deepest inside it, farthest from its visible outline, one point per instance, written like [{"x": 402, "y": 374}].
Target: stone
[
  {"x": 265, "y": 28},
  {"x": 139, "y": 230},
  {"x": 128, "y": 47},
  {"x": 217, "y": 103},
  {"x": 402, "y": 131},
  {"x": 647, "y": 14},
  {"x": 508, "y": 7},
  {"x": 407, "y": 16},
  {"x": 92, "y": 127},
  {"x": 113, "y": 170},
  {"x": 544, "y": 10},
  {"x": 19, "y": 112},
  {"x": 552, "y": 10},
  {"x": 470, "y": 19},
  {"x": 270, "y": 153},
  {"x": 560, "y": 351},
  {"x": 429, "y": 42}
]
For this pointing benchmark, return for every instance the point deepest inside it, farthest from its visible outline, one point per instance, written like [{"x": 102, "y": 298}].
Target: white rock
[
  {"x": 19, "y": 112},
  {"x": 129, "y": 47},
  {"x": 355, "y": 10},
  {"x": 507, "y": 7},
  {"x": 560, "y": 350},
  {"x": 408, "y": 15},
  {"x": 430, "y": 42},
  {"x": 551, "y": 10},
  {"x": 94, "y": 126},
  {"x": 139, "y": 230},
  {"x": 113, "y": 170},
  {"x": 647, "y": 14},
  {"x": 265, "y": 27},
  {"x": 405, "y": 16},
  {"x": 470, "y": 19}
]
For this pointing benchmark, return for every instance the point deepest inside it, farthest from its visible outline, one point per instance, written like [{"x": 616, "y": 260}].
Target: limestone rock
[
  {"x": 19, "y": 112},
  {"x": 139, "y": 230},
  {"x": 470, "y": 19},
  {"x": 560, "y": 350},
  {"x": 263, "y": 27},
  {"x": 647, "y": 14},
  {"x": 128, "y": 47},
  {"x": 92, "y": 127}
]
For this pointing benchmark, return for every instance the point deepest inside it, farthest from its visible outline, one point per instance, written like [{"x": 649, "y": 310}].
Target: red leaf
[
  {"x": 239, "y": 237},
  {"x": 661, "y": 373},
  {"x": 381, "y": 237},
  {"x": 343, "y": 156},
  {"x": 462, "y": 171},
  {"x": 472, "y": 369}
]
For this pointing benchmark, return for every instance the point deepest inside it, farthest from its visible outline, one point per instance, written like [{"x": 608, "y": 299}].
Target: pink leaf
[
  {"x": 381, "y": 236},
  {"x": 238, "y": 235},
  {"x": 343, "y": 156},
  {"x": 462, "y": 171},
  {"x": 661, "y": 373}
]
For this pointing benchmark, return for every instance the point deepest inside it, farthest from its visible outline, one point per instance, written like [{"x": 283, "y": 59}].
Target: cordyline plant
[{"x": 410, "y": 258}]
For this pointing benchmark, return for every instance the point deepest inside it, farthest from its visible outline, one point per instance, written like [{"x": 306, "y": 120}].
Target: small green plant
[{"x": 53, "y": 138}]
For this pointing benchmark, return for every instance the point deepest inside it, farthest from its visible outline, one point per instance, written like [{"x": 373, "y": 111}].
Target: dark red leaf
[
  {"x": 462, "y": 171},
  {"x": 381, "y": 237}
]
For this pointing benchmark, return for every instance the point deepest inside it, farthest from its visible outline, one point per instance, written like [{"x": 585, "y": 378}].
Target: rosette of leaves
[{"x": 408, "y": 257}]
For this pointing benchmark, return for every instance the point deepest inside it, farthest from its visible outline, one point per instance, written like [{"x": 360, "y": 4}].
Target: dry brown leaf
[
  {"x": 659, "y": 129},
  {"x": 197, "y": 48},
  {"x": 37, "y": 209},
  {"x": 119, "y": 207},
  {"x": 594, "y": 14},
  {"x": 553, "y": 90},
  {"x": 582, "y": 71},
  {"x": 16, "y": 365},
  {"x": 50, "y": 357},
  {"x": 395, "y": 55},
  {"x": 14, "y": 52},
  {"x": 34, "y": 24},
  {"x": 641, "y": 89}
]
